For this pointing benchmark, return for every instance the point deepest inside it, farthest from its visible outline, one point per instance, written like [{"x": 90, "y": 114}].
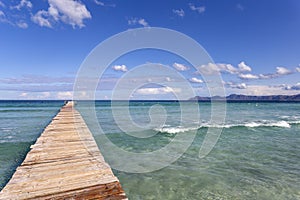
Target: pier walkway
[{"x": 63, "y": 164}]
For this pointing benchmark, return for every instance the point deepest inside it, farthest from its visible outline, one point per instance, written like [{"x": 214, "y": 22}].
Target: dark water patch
[{"x": 12, "y": 155}]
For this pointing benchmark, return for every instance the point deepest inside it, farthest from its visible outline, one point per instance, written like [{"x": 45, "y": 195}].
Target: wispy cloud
[
  {"x": 195, "y": 80},
  {"x": 157, "y": 90},
  {"x": 23, "y": 94},
  {"x": 236, "y": 85},
  {"x": 138, "y": 21},
  {"x": 22, "y": 4},
  {"x": 2, "y": 14},
  {"x": 100, "y": 3},
  {"x": 36, "y": 79},
  {"x": 11, "y": 17},
  {"x": 65, "y": 95},
  {"x": 292, "y": 87},
  {"x": 179, "y": 12},
  {"x": 37, "y": 87},
  {"x": 18, "y": 22},
  {"x": 168, "y": 79},
  {"x": 248, "y": 76},
  {"x": 42, "y": 18},
  {"x": 199, "y": 9},
  {"x": 2, "y": 4},
  {"x": 240, "y": 7},
  {"x": 121, "y": 68},
  {"x": 180, "y": 67},
  {"x": 3, "y": 18},
  {"x": 242, "y": 71},
  {"x": 22, "y": 24},
  {"x": 260, "y": 90},
  {"x": 67, "y": 11},
  {"x": 280, "y": 71},
  {"x": 213, "y": 68},
  {"x": 297, "y": 69}
]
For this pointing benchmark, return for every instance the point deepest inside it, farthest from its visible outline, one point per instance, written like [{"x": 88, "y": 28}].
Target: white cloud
[
  {"x": 210, "y": 68},
  {"x": 122, "y": 68},
  {"x": 267, "y": 76},
  {"x": 213, "y": 68},
  {"x": 53, "y": 12},
  {"x": 2, "y": 13},
  {"x": 199, "y": 9},
  {"x": 293, "y": 87},
  {"x": 228, "y": 68},
  {"x": 260, "y": 90},
  {"x": 282, "y": 71},
  {"x": 248, "y": 76},
  {"x": 22, "y": 4},
  {"x": 140, "y": 21},
  {"x": 22, "y": 24},
  {"x": 154, "y": 91},
  {"x": 241, "y": 86},
  {"x": 41, "y": 18},
  {"x": 297, "y": 69},
  {"x": 70, "y": 12},
  {"x": 180, "y": 12},
  {"x": 64, "y": 95},
  {"x": 168, "y": 79},
  {"x": 195, "y": 80},
  {"x": 180, "y": 67},
  {"x": 243, "y": 67},
  {"x": 235, "y": 85},
  {"x": 23, "y": 94},
  {"x": 143, "y": 22}
]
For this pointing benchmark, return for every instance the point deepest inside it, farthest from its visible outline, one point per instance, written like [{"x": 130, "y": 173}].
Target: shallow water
[
  {"x": 21, "y": 122},
  {"x": 256, "y": 157}
]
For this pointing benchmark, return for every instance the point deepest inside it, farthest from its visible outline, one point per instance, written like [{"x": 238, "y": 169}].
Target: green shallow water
[{"x": 240, "y": 166}]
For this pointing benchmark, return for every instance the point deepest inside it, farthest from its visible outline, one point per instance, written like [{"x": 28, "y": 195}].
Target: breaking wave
[{"x": 179, "y": 129}]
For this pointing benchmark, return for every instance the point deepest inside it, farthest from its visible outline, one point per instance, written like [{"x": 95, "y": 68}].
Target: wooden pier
[{"x": 64, "y": 164}]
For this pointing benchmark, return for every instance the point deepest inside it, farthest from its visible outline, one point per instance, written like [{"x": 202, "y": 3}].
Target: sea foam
[{"x": 179, "y": 129}]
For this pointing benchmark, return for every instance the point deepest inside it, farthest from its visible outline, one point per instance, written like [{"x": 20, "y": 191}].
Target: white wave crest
[
  {"x": 282, "y": 124},
  {"x": 173, "y": 130}
]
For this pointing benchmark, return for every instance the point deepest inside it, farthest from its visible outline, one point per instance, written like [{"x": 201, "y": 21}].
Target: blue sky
[{"x": 255, "y": 44}]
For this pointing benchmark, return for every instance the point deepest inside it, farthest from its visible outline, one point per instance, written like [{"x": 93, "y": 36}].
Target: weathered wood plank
[{"x": 64, "y": 164}]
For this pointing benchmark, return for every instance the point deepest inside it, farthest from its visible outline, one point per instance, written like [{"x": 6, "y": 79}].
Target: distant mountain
[{"x": 246, "y": 98}]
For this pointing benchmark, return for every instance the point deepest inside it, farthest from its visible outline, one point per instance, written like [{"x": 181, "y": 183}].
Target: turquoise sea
[{"x": 256, "y": 157}]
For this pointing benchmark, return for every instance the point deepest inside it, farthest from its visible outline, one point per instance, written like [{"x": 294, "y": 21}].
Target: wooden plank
[{"x": 64, "y": 164}]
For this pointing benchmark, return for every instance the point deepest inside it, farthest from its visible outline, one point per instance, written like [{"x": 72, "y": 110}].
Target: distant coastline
[{"x": 247, "y": 98}]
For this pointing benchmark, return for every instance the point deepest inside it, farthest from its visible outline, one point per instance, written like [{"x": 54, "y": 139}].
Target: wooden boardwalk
[{"x": 63, "y": 164}]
